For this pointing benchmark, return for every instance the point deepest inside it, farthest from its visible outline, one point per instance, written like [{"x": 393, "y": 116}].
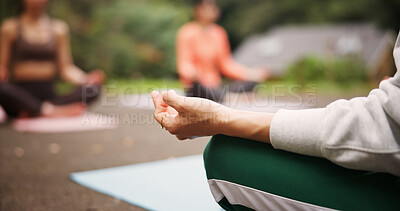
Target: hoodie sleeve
[{"x": 361, "y": 133}]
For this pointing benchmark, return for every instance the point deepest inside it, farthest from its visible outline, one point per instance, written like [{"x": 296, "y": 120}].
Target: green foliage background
[
  {"x": 343, "y": 71},
  {"x": 136, "y": 38},
  {"x": 128, "y": 39}
]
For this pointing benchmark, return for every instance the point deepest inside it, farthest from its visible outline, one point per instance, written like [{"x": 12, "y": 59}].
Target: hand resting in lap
[{"x": 187, "y": 117}]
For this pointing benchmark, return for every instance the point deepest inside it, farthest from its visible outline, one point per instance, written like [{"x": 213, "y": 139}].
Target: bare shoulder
[
  {"x": 188, "y": 30},
  {"x": 60, "y": 27},
  {"x": 219, "y": 28},
  {"x": 9, "y": 26}
]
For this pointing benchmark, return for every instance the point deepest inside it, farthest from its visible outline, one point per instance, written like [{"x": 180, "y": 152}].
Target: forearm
[
  {"x": 73, "y": 75},
  {"x": 245, "y": 124},
  {"x": 187, "y": 72},
  {"x": 234, "y": 70}
]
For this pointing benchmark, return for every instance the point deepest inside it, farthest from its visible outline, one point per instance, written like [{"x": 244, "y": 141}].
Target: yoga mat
[
  {"x": 85, "y": 122},
  {"x": 173, "y": 184}
]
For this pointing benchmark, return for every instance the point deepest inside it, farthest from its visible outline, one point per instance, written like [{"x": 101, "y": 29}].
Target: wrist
[
  {"x": 249, "y": 125},
  {"x": 251, "y": 74},
  {"x": 83, "y": 79},
  {"x": 224, "y": 121}
]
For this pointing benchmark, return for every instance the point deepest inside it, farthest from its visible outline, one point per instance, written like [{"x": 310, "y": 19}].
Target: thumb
[{"x": 173, "y": 100}]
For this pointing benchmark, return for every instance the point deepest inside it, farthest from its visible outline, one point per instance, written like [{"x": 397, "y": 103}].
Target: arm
[
  {"x": 186, "y": 68},
  {"x": 246, "y": 124},
  {"x": 362, "y": 133},
  {"x": 234, "y": 70},
  {"x": 68, "y": 71},
  {"x": 228, "y": 66},
  {"x": 6, "y": 39}
]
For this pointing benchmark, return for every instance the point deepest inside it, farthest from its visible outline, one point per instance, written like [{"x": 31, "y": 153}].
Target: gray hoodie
[{"x": 361, "y": 133}]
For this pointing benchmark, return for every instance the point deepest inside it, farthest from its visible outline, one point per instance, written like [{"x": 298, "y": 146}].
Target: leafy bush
[
  {"x": 340, "y": 70},
  {"x": 127, "y": 39},
  {"x": 130, "y": 38}
]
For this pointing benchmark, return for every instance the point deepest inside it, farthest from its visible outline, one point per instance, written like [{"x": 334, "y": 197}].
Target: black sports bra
[{"x": 25, "y": 51}]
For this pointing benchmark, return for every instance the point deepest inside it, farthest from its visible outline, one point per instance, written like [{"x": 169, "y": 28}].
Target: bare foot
[{"x": 73, "y": 109}]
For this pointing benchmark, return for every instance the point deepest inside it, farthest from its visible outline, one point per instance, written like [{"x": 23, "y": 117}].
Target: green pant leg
[{"x": 302, "y": 178}]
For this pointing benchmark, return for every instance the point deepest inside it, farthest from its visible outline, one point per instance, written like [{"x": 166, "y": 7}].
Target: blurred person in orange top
[
  {"x": 34, "y": 49},
  {"x": 203, "y": 53}
]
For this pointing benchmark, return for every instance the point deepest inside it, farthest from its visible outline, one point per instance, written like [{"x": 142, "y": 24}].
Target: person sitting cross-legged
[
  {"x": 345, "y": 156},
  {"x": 203, "y": 55},
  {"x": 34, "y": 49}
]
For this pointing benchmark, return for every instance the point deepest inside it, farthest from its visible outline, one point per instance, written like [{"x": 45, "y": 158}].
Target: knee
[
  {"x": 209, "y": 154},
  {"x": 211, "y": 149},
  {"x": 90, "y": 92},
  {"x": 217, "y": 155},
  {"x": 226, "y": 155}
]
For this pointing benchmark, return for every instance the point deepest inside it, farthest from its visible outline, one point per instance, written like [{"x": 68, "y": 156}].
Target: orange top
[{"x": 204, "y": 53}]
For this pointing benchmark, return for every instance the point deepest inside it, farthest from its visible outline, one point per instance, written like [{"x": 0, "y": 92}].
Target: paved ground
[{"x": 35, "y": 168}]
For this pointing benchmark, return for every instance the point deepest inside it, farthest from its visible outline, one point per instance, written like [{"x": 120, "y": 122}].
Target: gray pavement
[{"x": 35, "y": 168}]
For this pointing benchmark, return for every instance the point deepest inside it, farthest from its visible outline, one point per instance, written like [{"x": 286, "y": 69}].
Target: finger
[
  {"x": 171, "y": 111},
  {"x": 181, "y": 138},
  {"x": 159, "y": 104},
  {"x": 173, "y": 100},
  {"x": 156, "y": 96},
  {"x": 158, "y": 117},
  {"x": 100, "y": 75},
  {"x": 166, "y": 120}
]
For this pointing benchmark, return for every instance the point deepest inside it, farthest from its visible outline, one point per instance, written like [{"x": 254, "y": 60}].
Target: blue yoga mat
[{"x": 173, "y": 184}]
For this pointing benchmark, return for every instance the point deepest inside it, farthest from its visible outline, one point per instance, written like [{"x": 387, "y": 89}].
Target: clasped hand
[{"x": 187, "y": 117}]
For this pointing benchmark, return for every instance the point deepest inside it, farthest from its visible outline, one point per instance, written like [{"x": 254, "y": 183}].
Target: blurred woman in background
[
  {"x": 203, "y": 53},
  {"x": 33, "y": 49}
]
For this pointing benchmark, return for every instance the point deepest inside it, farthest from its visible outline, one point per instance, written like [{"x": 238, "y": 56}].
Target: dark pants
[
  {"x": 259, "y": 168},
  {"x": 217, "y": 94},
  {"x": 29, "y": 96}
]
